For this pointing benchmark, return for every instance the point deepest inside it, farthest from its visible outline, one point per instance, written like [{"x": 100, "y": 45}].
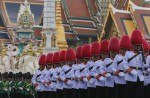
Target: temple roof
[
  {"x": 78, "y": 19},
  {"x": 92, "y": 6},
  {"x": 146, "y": 4},
  {"x": 76, "y": 9},
  {"x": 138, "y": 2},
  {"x": 123, "y": 4},
  {"x": 126, "y": 21},
  {"x": 142, "y": 18}
]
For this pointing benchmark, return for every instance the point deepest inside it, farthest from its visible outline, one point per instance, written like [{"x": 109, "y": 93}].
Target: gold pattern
[
  {"x": 53, "y": 40},
  {"x": 30, "y": 51},
  {"x": 44, "y": 40},
  {"x": 19, "y": 2},
  {"x": 114, "y": 28},
  {"x": 26, "y": 20},
  {"x": 3, "y": 49},
  {"x": 132, "y": 14},
  {"x": 40, "y": 49}
]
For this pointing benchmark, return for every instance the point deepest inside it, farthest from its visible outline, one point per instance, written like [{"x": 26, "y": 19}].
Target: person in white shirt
[
  {"x": 100, "y": 83},
  {"x": 95, "y": 51},
  {"x": 49, "y": 62},
  {"x": 59, "y": 86},
  {"x": 36, "y": 79},
  {"x": 75, "y": 86},
  {"x": 83, "y": 70},
  {"x": 53, "y": 74},
  {"x": 146, "y": 70},
  {"x": 67, "y": 73},
  {"x": 120, "y": 65},
  {"x": 134, "y": 76}
]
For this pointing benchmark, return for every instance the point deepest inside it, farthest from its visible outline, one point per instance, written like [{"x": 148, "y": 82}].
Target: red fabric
[
  {"x": 56, "y": 58},
  {"x": 49, "y": 58},
  {"x": 70, "y": 55},
  {"x": 136, "y": 37},
  {"x": 104, "y": 46},
  {"x": 125, "y": 42},
  {"x": 79, "y": 52},
  {"x": 95, "y": 48},
  {"x": 86, "y": 51},
  {"x": 42, "y": 60},
  {"x": 145, "y": 45},
  {"x": 63, "y": 55},
  {"x": 114, "y": 44}
]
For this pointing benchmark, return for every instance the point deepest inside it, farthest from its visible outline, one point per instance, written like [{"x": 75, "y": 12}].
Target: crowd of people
[
  {"x": 115, "y": 68},
  {"x": 16, "y": 85}
]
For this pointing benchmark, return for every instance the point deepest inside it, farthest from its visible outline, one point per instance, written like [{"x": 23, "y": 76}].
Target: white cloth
[
  {"x": 91, "y": 72},
  {"x": 36, "y": 79},
  {"x": 65, "y": 76},
  {"x": 109, "y": 81},
  {"x": 51, "y": 76},
  {"x": 75, "y": 82},
  {"x": 119, "y": 79},
  {"x": 135, "y": 62},
  {"x": 99, "y": 70},
  {"x": 59, "y": 83},
  {"x": 84, "y": 73}
]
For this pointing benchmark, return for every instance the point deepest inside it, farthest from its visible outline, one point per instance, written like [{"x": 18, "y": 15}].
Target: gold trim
[
  {"x": 105, "y": 22},
  {"x": 112, "y": 15},
  {"x": 132, "y": 14},
  {"x": 110, "y": 12}
]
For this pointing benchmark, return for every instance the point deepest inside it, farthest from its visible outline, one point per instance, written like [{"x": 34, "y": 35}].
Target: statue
[
  {"x": 28, "y": 61},
  {"x": 8, "y": 57}
]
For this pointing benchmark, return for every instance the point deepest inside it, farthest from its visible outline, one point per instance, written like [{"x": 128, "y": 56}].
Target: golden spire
[
  {"x": 3, "y": 49},
  {"x": 24, "y": 52},
  {"x": 44, "y": 40},
  {"x": 40, "y": 49},
  {"x": 30, "y": 50},
  {"x": 61, "y": 40}
]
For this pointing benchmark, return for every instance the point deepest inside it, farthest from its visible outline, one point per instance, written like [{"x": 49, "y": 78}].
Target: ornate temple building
[
  {"x": 84, "y": 21},
  {"x": 126, "y": 19}
]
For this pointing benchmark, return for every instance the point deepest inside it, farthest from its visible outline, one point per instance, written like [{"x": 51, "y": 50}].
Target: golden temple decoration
[
  {"x": 23, "y": 52},
  {"x": 44, "y": 40},
  {"x": 114, "y": 31},
  {"x": 40, "y": 49},
  {"x": 53, "y": 40},
  {"x": 30, "y": 51},
  {"x": 25, "y": 18},
  {"x": 3, "y": 50},
  {"x": 99, "y": 38},
  {"x": 61, "y": 40},
  {"x": 132, "y": 13}
]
